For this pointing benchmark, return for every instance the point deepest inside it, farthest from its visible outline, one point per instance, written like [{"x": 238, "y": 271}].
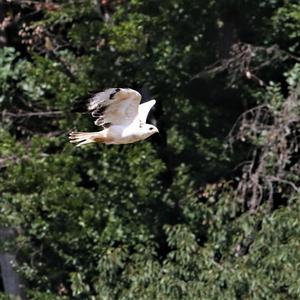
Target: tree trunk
[
  {"x": 11, "y": 281},
  {"x": 2, "y": 32}
]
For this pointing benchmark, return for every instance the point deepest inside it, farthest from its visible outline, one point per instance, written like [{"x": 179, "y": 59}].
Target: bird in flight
[{"x": 122, "y": 118}]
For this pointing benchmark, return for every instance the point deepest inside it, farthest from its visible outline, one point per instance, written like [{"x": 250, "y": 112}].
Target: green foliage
[
  {"x": 174, "y": 217},
  {"x": 11, "y": 72},
  {"x": 287, "y": 24}
]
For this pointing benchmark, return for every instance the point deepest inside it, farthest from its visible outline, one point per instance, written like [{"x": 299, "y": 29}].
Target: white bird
[{"x": 119, "y": 112}]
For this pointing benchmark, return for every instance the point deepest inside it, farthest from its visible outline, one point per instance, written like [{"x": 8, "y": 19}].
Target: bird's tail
[{"x": 83, "y": 138}]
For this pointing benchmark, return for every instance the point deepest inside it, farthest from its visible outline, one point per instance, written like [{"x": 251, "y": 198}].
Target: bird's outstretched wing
[
  {"x": 115, "y": 106},
  {"x": 144, "y": 109}
]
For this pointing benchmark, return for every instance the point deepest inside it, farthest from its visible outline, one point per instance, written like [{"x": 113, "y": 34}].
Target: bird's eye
[{"x": 151, "y": 128}]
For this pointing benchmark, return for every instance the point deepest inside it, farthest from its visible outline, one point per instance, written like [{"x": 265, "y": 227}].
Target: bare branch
[
  {"x": 48, "y": 114},
  {"x": 245, "y": 61},
  {"x": 273, "y": 130}
]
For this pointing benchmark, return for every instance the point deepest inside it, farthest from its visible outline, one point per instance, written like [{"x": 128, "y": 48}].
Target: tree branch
[{"x": 48, "y": 114}]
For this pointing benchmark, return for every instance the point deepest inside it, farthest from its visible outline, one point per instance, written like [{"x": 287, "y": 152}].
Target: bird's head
[{"x": 148, "y": 130}]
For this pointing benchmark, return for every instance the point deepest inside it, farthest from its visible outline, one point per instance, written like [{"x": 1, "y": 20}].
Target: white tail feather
[{"x": 82, "y": 138}]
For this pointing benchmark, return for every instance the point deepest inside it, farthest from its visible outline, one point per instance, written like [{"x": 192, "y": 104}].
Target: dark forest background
[{"x": 207, "y": 209}]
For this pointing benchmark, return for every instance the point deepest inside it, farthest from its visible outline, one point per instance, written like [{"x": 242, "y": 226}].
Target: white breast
[{"x": 125, "y": 134}]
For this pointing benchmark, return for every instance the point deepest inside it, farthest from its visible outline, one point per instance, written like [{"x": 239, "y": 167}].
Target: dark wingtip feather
[
  {"x": 113, "y": 94},
  {"x": 98, "y": 111}
]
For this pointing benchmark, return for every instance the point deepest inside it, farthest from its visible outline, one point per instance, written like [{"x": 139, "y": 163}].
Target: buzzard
[{"x": 122, "y": 118}]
